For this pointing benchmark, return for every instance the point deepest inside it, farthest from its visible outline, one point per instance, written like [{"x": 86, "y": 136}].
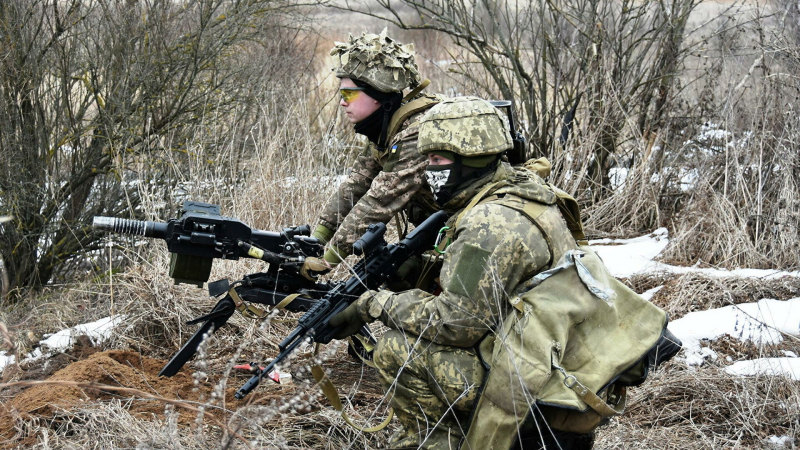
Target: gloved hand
[
  {"x": 349, "y": 320},
  {"x": 314, "y": 267}
]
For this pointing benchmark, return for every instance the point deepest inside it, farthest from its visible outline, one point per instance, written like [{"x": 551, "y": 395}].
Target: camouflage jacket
[
  {"x": 379, "y": 186},
  {"x": 494, "y": 249}
]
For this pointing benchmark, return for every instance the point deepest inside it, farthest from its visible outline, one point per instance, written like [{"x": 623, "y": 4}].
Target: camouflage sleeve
[
  {"x": 351, "y": 190},
  {"x": 495, "y": 249},
  {"x": 391, "y": 190}
]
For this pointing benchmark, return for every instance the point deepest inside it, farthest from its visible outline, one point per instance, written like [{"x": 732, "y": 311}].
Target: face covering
[
  {"x": 445, "y": 180},
  {"x": 441, "y": 183}
]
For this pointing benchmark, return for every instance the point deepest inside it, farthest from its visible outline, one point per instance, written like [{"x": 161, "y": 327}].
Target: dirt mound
[{"x": 116, "y": 368}]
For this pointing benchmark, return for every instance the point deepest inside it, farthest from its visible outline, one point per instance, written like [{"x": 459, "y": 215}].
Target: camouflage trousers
[{"x": 432, "y": 389}]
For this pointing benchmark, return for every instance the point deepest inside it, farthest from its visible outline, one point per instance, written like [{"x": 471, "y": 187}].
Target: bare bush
[
  {"x": 621, "y": 59},
  {"x": 100, "y": 98}
]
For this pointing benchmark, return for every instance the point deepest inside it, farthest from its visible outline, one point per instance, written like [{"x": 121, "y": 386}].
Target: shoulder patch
[{"x": 471, "y": 264}]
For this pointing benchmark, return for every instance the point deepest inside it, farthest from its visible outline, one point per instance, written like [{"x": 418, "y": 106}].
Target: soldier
[
  {"x": 429, "y": 360},
  {"x": 505, "y": 228},
  {"x": 389, "y": 177}
]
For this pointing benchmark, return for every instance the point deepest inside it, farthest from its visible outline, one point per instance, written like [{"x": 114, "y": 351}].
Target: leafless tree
[
  {"x": 99, "y": 97},
  {"x": 622, "y": 58}
]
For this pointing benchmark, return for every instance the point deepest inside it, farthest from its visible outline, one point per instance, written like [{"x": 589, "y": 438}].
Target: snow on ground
[
  {"x": 98, "y": 331},
  {"x": 627, "y": 257},
  {"x": 763, "y": 322}
]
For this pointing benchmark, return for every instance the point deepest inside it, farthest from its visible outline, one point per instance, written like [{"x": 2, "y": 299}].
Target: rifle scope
[
  {"x": 144, "y": 228},
  {"x": 371, "y": 239}
]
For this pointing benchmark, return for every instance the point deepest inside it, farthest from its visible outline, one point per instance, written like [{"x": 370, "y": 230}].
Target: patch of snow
[
  {"x": 789, "y": 367},
  {"x": 98, "y": 331},
  {"x": 633, "y": 255},
  {"x": 699, "y": 356},
  {"x": 648, "y": 294},
  {"x": 617, "y": 177},
  {"x": 688, "y": 180},
  {"x": 627, "y": 257},
  {"x": 6, "y": 360},
  {"x": 760, "y": 322},
  {"x": 780, "y": 441}
]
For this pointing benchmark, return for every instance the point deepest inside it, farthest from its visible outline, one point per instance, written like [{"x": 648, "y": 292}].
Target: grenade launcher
[{"x": 200, "y": 236}]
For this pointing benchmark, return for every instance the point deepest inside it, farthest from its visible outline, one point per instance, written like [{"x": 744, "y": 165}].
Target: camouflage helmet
[
  {"x": 378, "y": 61},
  {"x": 466, "y": 126}
]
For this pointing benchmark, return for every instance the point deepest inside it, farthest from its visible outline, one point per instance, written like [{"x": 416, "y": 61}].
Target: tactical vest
[{"x": 573, "y": 339}]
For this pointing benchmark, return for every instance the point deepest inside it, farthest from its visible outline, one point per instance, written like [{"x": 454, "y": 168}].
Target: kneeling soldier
[{"x": 505, "y": 228}]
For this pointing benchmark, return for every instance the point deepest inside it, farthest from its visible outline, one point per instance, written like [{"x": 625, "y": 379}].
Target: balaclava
[
  {"x": 449, "y": 179},
  {"x": 375, "y": 126}
]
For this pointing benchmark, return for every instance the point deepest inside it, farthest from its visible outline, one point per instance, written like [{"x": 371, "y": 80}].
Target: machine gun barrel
[{"x": 144, "y": 228}]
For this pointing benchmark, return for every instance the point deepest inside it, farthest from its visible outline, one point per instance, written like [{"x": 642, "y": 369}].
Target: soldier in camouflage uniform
[
  {"x": 389, "y": 177},
  {"x": 429, "y": 361}
]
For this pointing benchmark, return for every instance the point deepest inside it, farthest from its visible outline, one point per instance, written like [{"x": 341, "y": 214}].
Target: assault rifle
[
  {"x": 202, "y": 235},
  {"x": 378, "y": 266}
]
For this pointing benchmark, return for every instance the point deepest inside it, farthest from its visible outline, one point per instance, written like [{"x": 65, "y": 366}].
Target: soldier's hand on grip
[
  {"x": 314, "y": 267},
  {"x": 349, "y": 320}
]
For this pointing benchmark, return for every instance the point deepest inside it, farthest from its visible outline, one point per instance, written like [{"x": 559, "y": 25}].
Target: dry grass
[
  {"x": 297, "y": 143},
  {"x": 691, "y": 292},
  {"x": 683, "y": 408}
]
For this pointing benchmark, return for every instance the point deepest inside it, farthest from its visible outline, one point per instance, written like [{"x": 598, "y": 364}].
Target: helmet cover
[
  {"x": 466, "y": 126},
  {"x": 377, "y": 60}
]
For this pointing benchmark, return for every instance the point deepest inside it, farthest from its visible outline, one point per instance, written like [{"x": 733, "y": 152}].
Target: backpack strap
[
  {"x": 571, "y": 212},
  {"x": 407, "y": 110}
]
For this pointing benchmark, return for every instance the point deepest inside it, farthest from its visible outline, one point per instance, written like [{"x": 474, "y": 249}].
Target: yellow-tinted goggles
[{"x": 350, "y": 93}]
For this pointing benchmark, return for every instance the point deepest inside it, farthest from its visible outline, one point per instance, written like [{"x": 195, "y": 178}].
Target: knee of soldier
[
  {"x": 392, "y": 351},
  {"x": 457, "y": 374}
]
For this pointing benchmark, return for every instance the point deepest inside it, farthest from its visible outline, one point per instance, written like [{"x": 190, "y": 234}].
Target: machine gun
[
  {"x": 200, "y": 236},
  {"x": 378, "y": 266}
]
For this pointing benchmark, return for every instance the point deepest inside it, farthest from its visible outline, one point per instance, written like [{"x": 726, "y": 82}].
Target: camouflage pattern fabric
[
  {"x": 494, "y": 250},
  {"x": 377, "y": 60},
  {"x": 380, "y": 186},
  {"x": 431, "y": 389},
  {"x": 466, "y": 126}
]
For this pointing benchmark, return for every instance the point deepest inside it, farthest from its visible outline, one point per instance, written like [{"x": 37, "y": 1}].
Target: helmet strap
[{"x": 422, "y": 85}]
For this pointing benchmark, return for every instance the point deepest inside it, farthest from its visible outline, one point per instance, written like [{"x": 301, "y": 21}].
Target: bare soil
[{"x": 138, "y": 381}]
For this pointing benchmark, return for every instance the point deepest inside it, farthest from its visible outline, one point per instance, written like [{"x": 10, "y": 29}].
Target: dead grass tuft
[
  {"x": 684, "y": 408},
  {"x": 694, "y": 292}
]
